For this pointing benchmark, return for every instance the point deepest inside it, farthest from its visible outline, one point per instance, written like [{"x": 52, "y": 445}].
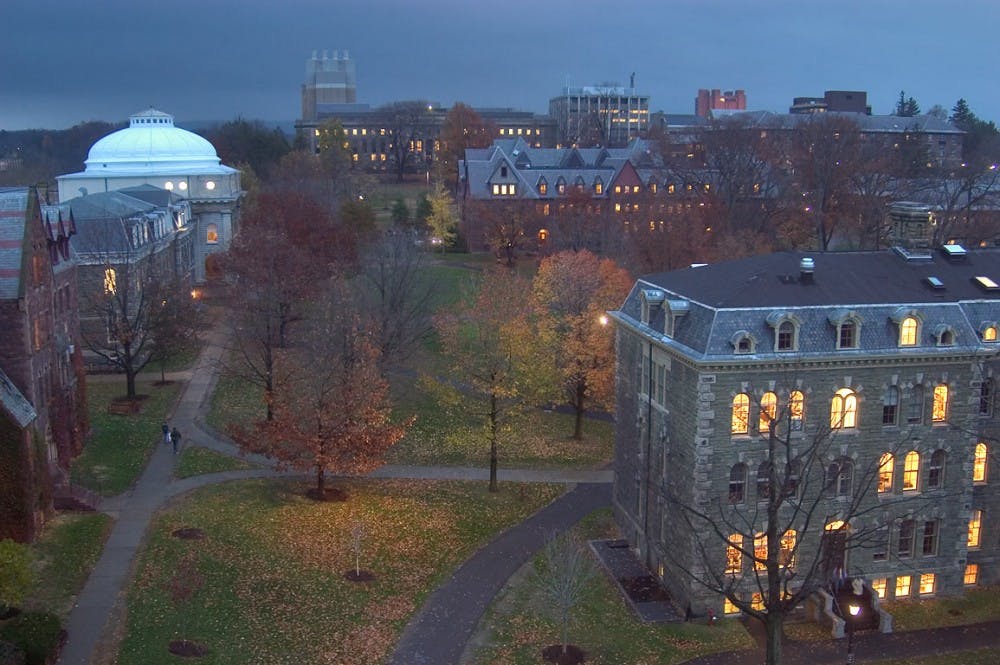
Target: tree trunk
[
  {"x": 775, "y": 626},
  {"x": 493, "y": 444},
  {"x": 320, "y": 482},
  {"x": 578, "y": 406},
  {"x": 130, "y": 383}
]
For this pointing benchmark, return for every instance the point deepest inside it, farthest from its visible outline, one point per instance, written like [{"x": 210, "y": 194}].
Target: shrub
[
  {"x": 15, "y": 572},
  {"x": 38, "y": 634}
]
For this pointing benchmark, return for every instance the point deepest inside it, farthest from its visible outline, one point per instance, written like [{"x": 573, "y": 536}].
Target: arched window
[
  {"x": 737, "y": 483},
  {"x": 844, "y": 409},
  {"x": 796, "y": 409},
  {"x": 986, "y": 397},
  {"x": 734, "y": 557},
  {"x": 939, "y": 411},
  {"x": 975, "y": 529},
  {"x": 840, "y": 477},
  {"x": 911, "y": 470},
  {"x": 741, "y": 414},
  {"x": 935, "y": 471},
  {"x": 915, "y": 411},
  {"x": 212, "y": 234},
  {"x": 979, "y": 463},
  {"x": 890, "y": 406},
  {"x": 768, "y": 411},
  {"x": 990, "y": 334},
  {"x": 847, "y": 336},
  {"x": 886, "y": 465},
  {"x": 785, "y": 336},
  {"x": 764, "y": 480},
  {"x": 908, "y": 330}
]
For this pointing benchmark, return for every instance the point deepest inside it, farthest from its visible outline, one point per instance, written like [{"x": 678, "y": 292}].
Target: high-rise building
[
  {"x": 329, "y": 80},
  {"x": 605, "y": 115}
]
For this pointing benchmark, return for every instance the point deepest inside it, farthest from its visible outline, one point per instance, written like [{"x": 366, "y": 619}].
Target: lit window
[
  {"x": 908, "y": 332},
  {"x": 212, "y": 234},
  {"x": 786, "y": 558},
  {"x": 840, "y": 477},
  {"x": 182, "y": 185},
  {"x": 728, "y": 607},
  {"x": 210, "y": 185},
  {"x": 169, "y": 186},
  {"x": 110, "y": 281},
  {"x": 760, "y": 551},
  {"x": 768, "y": 411},
  {"x": 979, "y": 463},
  {"x": 786, "y": 336},
  {"x": 929, "y": 545},
  {"x": 939, "y": 410},
  {"x": 990, "y": 334},
  {"x": 911, "y": 470},
  {"x": 598, "y": 187},
  {"x": 935, "y": 472},
  {"x": 757, "y": 601},
  {"x": 975, "y": 529},
  {"x": 543, "y": 187},
  {"x": 737, "y": 483},
  {"x": 885, "y": 468},
  {"x": 671, "y": 188},
  {"x": 796, "y": 409},
  {"x": 903, "y": 586},
  {"x": 971, "y": 577},
  {"x": 734, "y": 557},
  {"x": 986, "y": 397},
  {"x": 741, "y": 414},
  {"x": 890, "y": 406},
  {"x": 926, "y": 584},
  {"x": 879, "y": 586},
  {"x": 844, "y": 409},
  {"x": 847, "y": 339},
  {"x": 496, "y": 190}
]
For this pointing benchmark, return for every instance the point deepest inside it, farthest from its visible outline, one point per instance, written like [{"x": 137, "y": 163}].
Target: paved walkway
[{"x": 463, "y": 599}]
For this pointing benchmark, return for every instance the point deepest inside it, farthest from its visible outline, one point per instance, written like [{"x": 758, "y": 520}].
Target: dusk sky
[{"x": 66, "y": 61}]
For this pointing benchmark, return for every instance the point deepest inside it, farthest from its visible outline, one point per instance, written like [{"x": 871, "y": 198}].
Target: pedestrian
[
  {"x": 166, "y": 432},
  {"x": 175, "y": 438}
]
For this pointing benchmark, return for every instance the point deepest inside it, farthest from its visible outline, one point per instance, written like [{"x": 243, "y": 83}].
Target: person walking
[
  {"x": 166, "y": 432},
  {"x": 175, "y": 438}
]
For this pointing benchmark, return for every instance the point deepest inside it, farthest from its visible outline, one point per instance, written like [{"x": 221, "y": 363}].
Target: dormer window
[
  {"x": 743, "y": 342},
  {"x": 579, "y": 184},
  {"x": 598, "y": 187},
  {"x": 543, "y": 187},
  {"x": 786, "y": 331},
  {"x": 848, "y": 326},
  {"x": 503, "y": 171},
  {"x": 909, "y": 326},
  {"x": 561, "y": 186},
  {"x": 989, "y": 332},
  {"x": 650, "y": 299},
  {"x": 945, "y": 335}
]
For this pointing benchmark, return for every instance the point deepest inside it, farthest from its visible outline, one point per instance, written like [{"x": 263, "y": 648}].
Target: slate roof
[
  {"x": 748, "y": 296},
  {"x": 102, "y": 219},
  {"x": 13, "y": 403},
  {"x": 13, "y": 210},
  {"x": 867, "y": 123}
]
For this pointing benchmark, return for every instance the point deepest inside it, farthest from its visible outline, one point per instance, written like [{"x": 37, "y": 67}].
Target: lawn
[
  {"x": 64, "y": 554},
  {"x": 197, "y": 461},
  {"x": 976, "y": 605},
  {"x": 520, "y": 622},
  {"x": 119, "y": 445},
  {"x": 271, "y": 567}
]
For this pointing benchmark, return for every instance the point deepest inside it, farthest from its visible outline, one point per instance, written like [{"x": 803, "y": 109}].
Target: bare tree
[
  {"x": 405, "y": 123},
  {"x": 563, "y": 578}
]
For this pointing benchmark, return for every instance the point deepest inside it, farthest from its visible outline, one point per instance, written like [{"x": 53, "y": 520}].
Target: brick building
[
  {"x": 717, "y": 100},
  {"x": 877, "y": 373},
  {"x": 42, "y": 405}
]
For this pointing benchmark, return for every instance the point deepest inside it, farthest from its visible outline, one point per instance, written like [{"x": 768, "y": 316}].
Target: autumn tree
[
  {"x": 503, "y": 226},
  {"x": 333, "y": 414},
  {"x": 405, "y": 123},
  {"x": 496, "y": 367},
  {"x": 442, "y": 220},
  {"x": 572, "y": 291},
  {"x": 463, "y": 128}
]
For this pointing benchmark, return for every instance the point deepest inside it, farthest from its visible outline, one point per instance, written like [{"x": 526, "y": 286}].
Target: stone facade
[{"x": 691, "y": 343}]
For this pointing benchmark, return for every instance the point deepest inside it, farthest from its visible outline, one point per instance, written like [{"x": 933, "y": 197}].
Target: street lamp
[
  {"x": 853, "y": 610},
  {"x": 603, "y": 319}
]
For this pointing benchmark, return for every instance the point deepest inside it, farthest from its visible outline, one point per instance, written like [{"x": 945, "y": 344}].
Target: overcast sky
[{"x": 66, "y": 61}]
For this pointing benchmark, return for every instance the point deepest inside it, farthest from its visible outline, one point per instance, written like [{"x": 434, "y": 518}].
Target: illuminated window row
[
  {"x": 736, "y": 551},
  {"x": 926, "y": 585},
  {"x": 768, "y": 412},
  {"x": 911, "y": 471}
]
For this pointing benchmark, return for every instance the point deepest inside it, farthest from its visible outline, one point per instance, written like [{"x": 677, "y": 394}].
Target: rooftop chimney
[{"x": 806, "y": 268}]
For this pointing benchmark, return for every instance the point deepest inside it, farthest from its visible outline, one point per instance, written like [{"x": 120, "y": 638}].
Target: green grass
[
  {"x": 272, "y": 564},
  {"x": 520, "y": 624},
  {"x": 981, "y": 604},
  {"x": 119, "y": 445},
  {"x": 984, "y": 656},
  {"x": 234, "y": 401},
  {"x": 64, "y": 554},
  {"x": 198, "y": 461}
]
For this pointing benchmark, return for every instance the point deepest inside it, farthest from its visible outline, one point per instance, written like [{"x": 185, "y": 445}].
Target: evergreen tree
[{"x": 906, "y": 107}]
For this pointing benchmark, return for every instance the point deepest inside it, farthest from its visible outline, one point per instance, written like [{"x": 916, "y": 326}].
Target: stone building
[
  {"x": 42, "y": 404},
  {"x": 152, "y": 151},
  {"x": 877, "y": 369}
]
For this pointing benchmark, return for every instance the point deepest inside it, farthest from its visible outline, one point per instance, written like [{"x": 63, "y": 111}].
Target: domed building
[{"x": 152, "y": 151}]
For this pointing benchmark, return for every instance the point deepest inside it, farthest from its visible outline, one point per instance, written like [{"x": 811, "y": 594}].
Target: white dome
[{"x": 151, "y": 142}]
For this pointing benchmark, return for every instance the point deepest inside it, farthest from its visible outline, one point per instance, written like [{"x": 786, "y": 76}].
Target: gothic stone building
[{"x": 883, "y": 363}]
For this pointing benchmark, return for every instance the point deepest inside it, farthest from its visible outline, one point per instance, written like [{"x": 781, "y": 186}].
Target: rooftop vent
[
  {"x": 954, "y": 253},
  {"x": 985, "y": 283},
  {"x": 934, "y": 282},
  {"x": 807, "y": 266}
]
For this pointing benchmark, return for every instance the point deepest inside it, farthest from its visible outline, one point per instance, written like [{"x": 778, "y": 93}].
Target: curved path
[{"x": 450, "y": 613}]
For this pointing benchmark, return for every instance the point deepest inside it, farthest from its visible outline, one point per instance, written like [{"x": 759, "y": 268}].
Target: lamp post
[{"x": 853, "y": 610}]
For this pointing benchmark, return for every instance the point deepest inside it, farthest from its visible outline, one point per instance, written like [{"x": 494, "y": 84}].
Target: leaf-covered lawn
[
  {"x": 197, "y": 461},
  {"x": 64, "y": 554},
  {"x": 119, "y": 445},
  {"x": 520, "y": 622},
  {"x": 976, "y": 605},
  {"x": 985, "y": 656},
  {"x": 273, "y": 562}
]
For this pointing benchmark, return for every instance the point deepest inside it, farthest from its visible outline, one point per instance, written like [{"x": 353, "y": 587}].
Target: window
[
  {"x": 890, "y": 406},
  {"x": 911, "y": 471},
  {"x": 879, "y": 586},
  {"x": 796, "y": 409},
  {"x": 935, "y": 472},
  {"x": 561, "y": 186},
  {"x": 757, "y": 601},
  {"x": 786, "y": 557},
  {"x": 212, "y": 234},
  {"x": 929, "y": 545},
  {"x": 904, "y": 548},
  {"x": 598, "y": 187},
  {"x": 764, "y": 480},
  {"x": 760, "y": 551},
  {"x": 979, "y": 463},
  {"x": 840, "y": 477},
  {"x": 737, "y": 483},
  {"x": 986, "y": 397},
  {"x": 971, "y": 577},
  {"x": 915, "y": 413},
  {"x": 786, "y": 336},
  {"x": 734, "y": 557},
  {"x": 744, "y": 345},
  {"x": 503, "y": 171},
  {"x": 728, "y": 607},
  {"x": 885, "y": 469},
  {"x": 908, "y": 332},
  {"x": 903, "y": 586},
  {"x": 990, "y": 334},
  {"x": 792, "y": 477},
  {"x": 844, "y": 409},
  {"x": 110, "y": 281},
  {"x": 741, "y": 414},
  {"x": 939, "y": 410},
  {"x": 880, "y": 543},
  {"x": 543, "y": 187},
  {"x": 848, "y": 337},
  {"x": 768, "y": 411},
  {"x": 927, "y": 584},
  {"x": 975, "y": 529}
]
